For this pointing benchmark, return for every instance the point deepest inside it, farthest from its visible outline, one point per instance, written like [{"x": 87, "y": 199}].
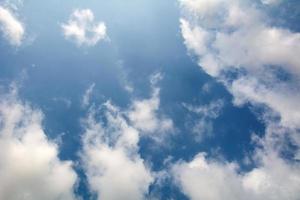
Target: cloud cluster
[
  {"x": 82, "y": 28},
  {"x": 235, "y": 44},
  {"x": 110, "y": 154},
  {"x": 29, "y": 163},
  {"x": 12, "y": 29},
  {"x": 203, "y": 178},
  {"x": 110, "y": 157},
  {"x": 31, "y": 169},
  {"x": 258, "y": 63}
]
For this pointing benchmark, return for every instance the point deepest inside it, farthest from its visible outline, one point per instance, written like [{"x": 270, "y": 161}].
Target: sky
[{"x": 140, "y": 99}]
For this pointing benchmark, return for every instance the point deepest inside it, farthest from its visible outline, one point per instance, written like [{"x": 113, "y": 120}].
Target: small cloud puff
[{"x": 82, "y": 29}]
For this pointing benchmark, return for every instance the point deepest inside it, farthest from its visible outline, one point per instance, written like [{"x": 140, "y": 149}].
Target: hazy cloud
[
  {"x": 202, "y": 126},
  {"x": 87, "y": 95}
]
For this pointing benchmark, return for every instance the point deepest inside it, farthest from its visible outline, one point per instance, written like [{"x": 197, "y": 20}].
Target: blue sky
[{"x": 174, "y": 99}]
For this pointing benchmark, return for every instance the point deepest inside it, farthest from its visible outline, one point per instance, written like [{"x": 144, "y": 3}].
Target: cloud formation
[
  {"x": 29, "y": 164},
  {"x": 144, "y": 116},
  {"x": 257, "y": 62},
  {"x": 202, "y": 178},
  {"x": 110, "y": 157},
  {"x": 12, "y": 29},
  {"x": 83, "y": 29},
  {"x": 234, "y": 44}
]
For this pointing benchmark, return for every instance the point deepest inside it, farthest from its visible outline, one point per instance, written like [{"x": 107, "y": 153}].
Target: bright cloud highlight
[{"x": 12, "y": 29}]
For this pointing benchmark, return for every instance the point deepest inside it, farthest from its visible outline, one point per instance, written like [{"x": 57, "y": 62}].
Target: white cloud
[
  {"x": 235, "y": 36},
  {"x": 281, "y": 97},
  {"x": 258, "y": 64},
  {"x": 11, "y": 27},
  {"x": 143, "y": 114},
  {"x": 29, "y": 163},
  {"x": 82, "y": 28},
  {"x": 110, "y": 157},
  {"x": 202, "y": 178},
  {"x": 202, "y": 7},
  {"x": 110, "y": 153}
]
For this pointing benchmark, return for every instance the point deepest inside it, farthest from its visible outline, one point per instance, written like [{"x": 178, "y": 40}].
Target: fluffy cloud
[
  {"x": 11, "y": 27},
  {"x": 110, "y": 157},
  {"x": 272, "y": 178},
  {"x": 258, "y": 64},
  {"x": 202, "y": 178},
  {"x": 29, "y": 163},
  {"x": 233, "y": 37},
  {"x": 143, "y": 114},
  {"x": 82, "y": 28},
  {"x": 110, "y": 153}
]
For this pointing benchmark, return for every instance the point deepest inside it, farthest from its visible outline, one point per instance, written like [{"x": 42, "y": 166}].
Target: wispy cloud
[
  {"x": 87, "y": 95},
  {"x": 144, "y": 115},
  {"x": 203, "y": 125},
  {"x": 110, "y": 157}
]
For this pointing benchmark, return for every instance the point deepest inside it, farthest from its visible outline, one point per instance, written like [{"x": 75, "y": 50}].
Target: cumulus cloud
[
  {"x": 257, "y": 62},
  {"x": 203, "y": 178},
  {"x": 12, "y": 29},
  {"x": 110, "y": 154},
  {"x": 234, "y": 37},
  {"x": 83, "y": 29},
  {"x": 29, "y": 164},
  {"x": 203, "y": 125},
  {"x": 110, "y": 157},
  {"x": 272, "y": 178}
]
